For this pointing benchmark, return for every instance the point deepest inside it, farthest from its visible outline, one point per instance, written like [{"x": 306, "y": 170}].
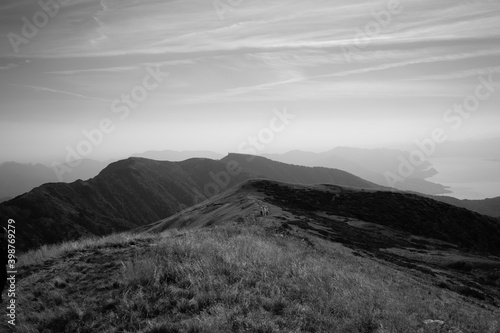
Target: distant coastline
[{"x": 468, "y": 178}]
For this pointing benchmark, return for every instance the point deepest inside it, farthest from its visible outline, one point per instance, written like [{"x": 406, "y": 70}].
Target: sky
[{"x": 109, "y": 78}]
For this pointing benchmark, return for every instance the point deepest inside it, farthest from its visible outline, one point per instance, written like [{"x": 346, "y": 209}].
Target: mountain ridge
[
  {"x": 124, "y": 195},
  {"x": 296, "y": 173},
  {"x": 445, "y": 245},
  {"x": 415, "y": 214},
  {"x": 369, "y": 164},
  {"x": 490, "y": 206},
  {"x": 137, "y": 191}
]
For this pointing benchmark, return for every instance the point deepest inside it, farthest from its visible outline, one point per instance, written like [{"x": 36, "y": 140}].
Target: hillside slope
[
  {"x": 409, "y": 213},
  {"x": 490, "y": 207},
  {"x": 124, "y": 195},
  {"x": 289, "y": 173},
  {"x": 369, "y": 164},
  {"x": 137, "y": 191},
  {"x": 18, "y": 178},
  {"x": 251, "y": 274},
  {"x": 454, "y": 248}
]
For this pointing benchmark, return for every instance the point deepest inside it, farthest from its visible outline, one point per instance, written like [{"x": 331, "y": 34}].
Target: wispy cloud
[
  {"x": 50, "y": 90},
  {"x": 8, "y": 66},
  {"x": 263, "y": 53}
]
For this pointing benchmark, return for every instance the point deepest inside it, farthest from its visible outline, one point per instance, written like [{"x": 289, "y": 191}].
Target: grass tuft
[{"x": 229, "y": 279}]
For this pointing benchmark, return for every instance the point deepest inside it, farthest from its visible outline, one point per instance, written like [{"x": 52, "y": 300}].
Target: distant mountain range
[
  {"x": 18, "y": 178},
  {"x": 290, "y": 173},
  {"x": 137, "y": 191},
  {"x": 369, "y": 164}
]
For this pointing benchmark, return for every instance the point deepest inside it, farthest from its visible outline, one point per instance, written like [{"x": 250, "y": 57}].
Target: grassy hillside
[
  {"x": 244, "y": 276},
  {"x": 441, "y": 244},
  {"x": 137, "y": 191},
  {"x": 125, "y": 195},
  {"x": 410, "y": 213},
  {"x": 490, "y": 207}
]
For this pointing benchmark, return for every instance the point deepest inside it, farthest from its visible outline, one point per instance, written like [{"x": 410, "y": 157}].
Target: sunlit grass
[{"x": 237, "y": 279}]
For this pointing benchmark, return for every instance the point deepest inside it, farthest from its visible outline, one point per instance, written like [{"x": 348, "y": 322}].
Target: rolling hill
[
  {"x": 137, "y": 191},
  {"x": 327, "y": 258},
  {"x": 126, "y": 194},
  {"x": 490, "y": 207},
  {"x": 409, "y": 213},
  {"x": 252, "y": 274},
  {"x": 456, "y": 249},
  {"x": 369, "y": 164},
  {"x": 18, "y": 178},
  {"x": 289, "y": 173}
]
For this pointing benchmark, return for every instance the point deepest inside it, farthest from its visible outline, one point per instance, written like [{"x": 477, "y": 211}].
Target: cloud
[
  {"x": 358, "y": 72},
  {"x": 8, "y": 66},
  {"x": 45, "y": 89},
  {"x": 93, "y": 70},
  {"x": 460, "y": 74}
]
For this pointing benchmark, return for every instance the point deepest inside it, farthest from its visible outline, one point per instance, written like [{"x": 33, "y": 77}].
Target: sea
[{"x": 468, "y": 178}]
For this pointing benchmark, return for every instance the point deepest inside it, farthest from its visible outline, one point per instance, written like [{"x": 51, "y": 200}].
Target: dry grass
[
  {"x": 48, "y": 252},
  {"x": 233, "y": 279}
]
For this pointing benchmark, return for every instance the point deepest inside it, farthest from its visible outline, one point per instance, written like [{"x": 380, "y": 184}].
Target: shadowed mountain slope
[
  {"x": 137, "y": 191},
  {"x": 18, "y": 178},
  {"x": 490, "y": 207},
  {"x": 126, "y": 194},
  {"x": 5, "y": 199},
  {"x": 312, "y": 265},
  {"x": 454, "y": 248},
  {"x": 409, "y": 213}
]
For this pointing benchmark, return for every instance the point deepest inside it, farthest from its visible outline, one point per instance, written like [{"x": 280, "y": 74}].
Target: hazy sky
[{"x": 228, "y": 71}]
